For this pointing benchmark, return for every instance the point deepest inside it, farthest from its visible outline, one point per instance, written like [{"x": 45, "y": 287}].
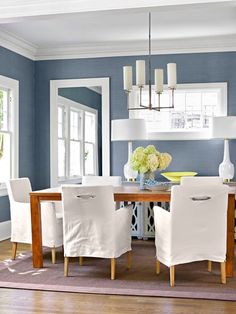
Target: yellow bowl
[{"x": 176, "y": 176}]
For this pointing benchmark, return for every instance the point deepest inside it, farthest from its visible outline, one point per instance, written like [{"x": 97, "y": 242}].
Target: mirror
[{"x": 79, "y": 129}]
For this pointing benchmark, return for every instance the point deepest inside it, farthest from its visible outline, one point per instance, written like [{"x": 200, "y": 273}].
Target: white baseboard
[{"x": 5, "y": 230}]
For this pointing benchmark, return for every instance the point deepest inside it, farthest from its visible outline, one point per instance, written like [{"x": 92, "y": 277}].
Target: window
[
  {"x": 8, "y": 131},
  {"x": 77, "y": 140},
  {"x": 195, "y": 105}
]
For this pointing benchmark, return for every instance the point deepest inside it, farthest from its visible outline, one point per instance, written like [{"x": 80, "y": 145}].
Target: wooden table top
[{"x": 121, "y": 193}]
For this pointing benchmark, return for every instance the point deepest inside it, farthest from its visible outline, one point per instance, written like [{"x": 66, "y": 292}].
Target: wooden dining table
[{"x": 122, "y": 193}]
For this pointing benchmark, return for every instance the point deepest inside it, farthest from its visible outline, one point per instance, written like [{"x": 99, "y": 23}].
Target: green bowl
[{"x": 176, "y": 176}]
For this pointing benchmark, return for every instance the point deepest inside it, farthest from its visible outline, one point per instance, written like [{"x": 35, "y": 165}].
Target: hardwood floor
[{"x": 25, "y": 301}]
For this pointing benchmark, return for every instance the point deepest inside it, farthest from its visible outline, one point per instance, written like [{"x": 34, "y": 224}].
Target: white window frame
[
  {"x": 13, "y": 116},
  {"x": 186, "y": 134},
  {"x": 89, "y": 82},
  {"x": 68, "y": 106}
]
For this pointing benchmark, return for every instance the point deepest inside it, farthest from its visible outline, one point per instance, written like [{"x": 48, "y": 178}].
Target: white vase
[
  {"x": 129, "y": 173},
  {"x": 226, "y": 168}
]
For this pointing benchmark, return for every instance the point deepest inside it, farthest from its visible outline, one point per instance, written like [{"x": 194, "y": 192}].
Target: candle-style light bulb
[{"x": 127, "y": 78}]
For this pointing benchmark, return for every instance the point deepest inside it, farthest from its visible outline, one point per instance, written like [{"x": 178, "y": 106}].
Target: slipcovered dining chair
[
  {"x": 92, "y": 227},
  {"x": 52, "y": 235},
  {"x": 194, "y": 229},
  {"x": 202, "y": 181},
  {"x": 102, "y": 180}
]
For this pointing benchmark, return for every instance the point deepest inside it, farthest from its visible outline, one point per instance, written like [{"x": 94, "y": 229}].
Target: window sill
[
  {"x": 3, "y": 192},
  {"x": 179, "y": 135}
]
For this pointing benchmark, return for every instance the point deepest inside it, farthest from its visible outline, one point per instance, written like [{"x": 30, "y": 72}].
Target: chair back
[
  {"x": 102, "y": 180},
  {"x": 200, "y": 181},
  {"x": 199, "y": 222},
  {"x": 19, "y": 189},
  {"x": 88, "y": 213}
]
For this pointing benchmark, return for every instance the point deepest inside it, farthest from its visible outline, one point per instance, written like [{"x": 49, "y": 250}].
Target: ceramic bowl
[{"x": 176, "y": 176}]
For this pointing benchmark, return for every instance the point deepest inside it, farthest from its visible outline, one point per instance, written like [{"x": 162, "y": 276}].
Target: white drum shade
[
  {"x": 224, "y": 127},
  {"x": 128, "y": 130}
]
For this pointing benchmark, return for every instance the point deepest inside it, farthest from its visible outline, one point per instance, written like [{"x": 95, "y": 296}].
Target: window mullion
[
  {"x": 67, "y": 142},
  {"x": 82, "y": 157}
]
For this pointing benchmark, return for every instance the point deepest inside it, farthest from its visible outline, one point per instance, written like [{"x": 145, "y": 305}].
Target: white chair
[
  {"x": 200, "y": 181},
  {"x": 52, "y": 234},
  {"x": 102, "y": 180},
  {"x": 194, "y": 229},
  {"x": 92, "y": 227}
]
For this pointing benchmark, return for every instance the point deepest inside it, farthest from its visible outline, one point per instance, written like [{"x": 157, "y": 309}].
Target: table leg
[
  {"x": 230, "y": 237},
  {"x": 37, "y": 253}
]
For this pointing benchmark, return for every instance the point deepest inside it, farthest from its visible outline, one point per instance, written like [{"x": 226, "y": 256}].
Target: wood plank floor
[{"x": 25, "y": 301}]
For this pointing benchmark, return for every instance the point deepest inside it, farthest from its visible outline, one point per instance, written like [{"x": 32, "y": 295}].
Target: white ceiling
[{"x": 176, "y": 28}]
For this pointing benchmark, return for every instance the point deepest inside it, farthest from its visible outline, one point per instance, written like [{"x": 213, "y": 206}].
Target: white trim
[
  {"x": 68, "y": 102},
  {"x": 159, "y": 47},
  {"x": 116, "y": 49},
  {"x": 13, "y": 9},
  {"x": 13, "y": 85},
  {"x": 54, "y": 86},
  {"x": 179, "y": 136},
  {"x": 17, "y": 44},
  {"x": 3, "y": 190},
  {"x": 5, "y": 230}
]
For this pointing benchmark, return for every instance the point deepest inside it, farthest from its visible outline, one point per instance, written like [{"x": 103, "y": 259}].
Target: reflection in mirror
[
  {"x": 77, "y": 125},
  {"x": 79, "y": 132}
]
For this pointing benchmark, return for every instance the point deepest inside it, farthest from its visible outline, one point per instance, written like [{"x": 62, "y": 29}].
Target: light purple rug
[{"x": 192, "y": 280}]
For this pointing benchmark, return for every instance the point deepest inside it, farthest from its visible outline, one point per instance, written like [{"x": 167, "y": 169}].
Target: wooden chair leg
[
  {"x": 54, "y": 255},
  {"x": 14, "y": 249},
  {"x": 66, "y": 266},
  {"x": 129, "y": 259},
  {"x": 223, "y": 272},
  {"x": 158, "y": 266},
  {"x": 172, "y": 276},
  {"x": 209, "y": 266},
  {"x": 81, "y": 260},
  {"x": 113, "y": 268}
]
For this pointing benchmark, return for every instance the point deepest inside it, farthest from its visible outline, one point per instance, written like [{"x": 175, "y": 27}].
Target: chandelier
[{"x": 140, "y": 81}]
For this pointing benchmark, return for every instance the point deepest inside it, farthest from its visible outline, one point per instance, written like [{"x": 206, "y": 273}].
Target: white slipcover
[
  {"x": 91, "y": 225},
  {"x": 199, "y": 181},
  {"x": 102, "y": 180},
  {"x": 18, "y": 192},
  {"x": 195, "y": 227}
]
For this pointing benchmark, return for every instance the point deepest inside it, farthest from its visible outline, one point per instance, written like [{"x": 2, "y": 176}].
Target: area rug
[{"x": 192, "y": 280}]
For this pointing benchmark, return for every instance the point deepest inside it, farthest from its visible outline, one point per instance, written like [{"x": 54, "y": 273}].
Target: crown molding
[
  {"x": 13, "y": 9},
  {"x": 17, "y": 44},
  {"x": 116, "y": 49}
]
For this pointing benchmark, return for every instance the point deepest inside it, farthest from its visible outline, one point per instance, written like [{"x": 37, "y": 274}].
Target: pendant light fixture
[{"x": 141, "y": 82}]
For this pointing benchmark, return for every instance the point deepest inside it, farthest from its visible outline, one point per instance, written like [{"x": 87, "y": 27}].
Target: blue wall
[
  {"x": 93, "y": 100},
  {"x": 201, "y": 156},
  {"x": 34, "y": 77},
  {"x": 20, "y": 68}
]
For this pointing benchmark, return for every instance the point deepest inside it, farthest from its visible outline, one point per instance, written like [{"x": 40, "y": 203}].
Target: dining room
[{"x": 117, "y": 154}]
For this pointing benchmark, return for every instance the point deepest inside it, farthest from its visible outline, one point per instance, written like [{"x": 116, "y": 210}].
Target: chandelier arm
[
  {"x": 172, "y": 97},
  {"x": 140, "y": 95},
  {"x": 128, "y": 96}
]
